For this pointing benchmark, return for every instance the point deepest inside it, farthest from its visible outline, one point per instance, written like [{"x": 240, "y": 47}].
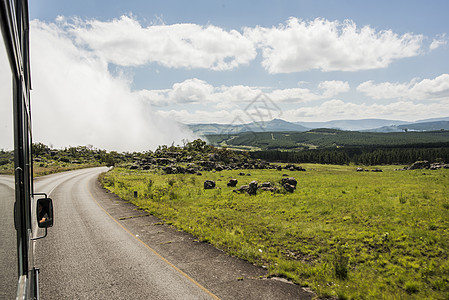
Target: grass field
[{"x": 345, "y": 234}]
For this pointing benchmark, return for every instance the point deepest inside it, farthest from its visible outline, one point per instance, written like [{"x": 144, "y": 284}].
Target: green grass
[{"x": 346, "y": 234}]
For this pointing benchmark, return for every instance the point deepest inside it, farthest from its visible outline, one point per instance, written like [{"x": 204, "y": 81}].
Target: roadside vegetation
[{"x": 345, "y": 234}]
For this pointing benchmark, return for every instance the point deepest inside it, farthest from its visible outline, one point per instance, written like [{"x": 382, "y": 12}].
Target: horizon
[
  {"x": 336, "y": 120},
  {"x": 122, "y": 75}
]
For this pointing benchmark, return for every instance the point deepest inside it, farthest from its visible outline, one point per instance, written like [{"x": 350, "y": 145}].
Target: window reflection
[{"x": 8, "y": 237}]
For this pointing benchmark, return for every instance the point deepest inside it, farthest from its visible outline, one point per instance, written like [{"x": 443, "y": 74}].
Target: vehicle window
[{"x": 8, "y": 237}]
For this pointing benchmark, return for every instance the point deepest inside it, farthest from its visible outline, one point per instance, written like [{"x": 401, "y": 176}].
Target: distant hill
[
  {"x": 425, "y": 126},
  {"x": 278, "y": 125},
  {"x": 353, "y": 125},
  {"x": 273, "y": 125}
]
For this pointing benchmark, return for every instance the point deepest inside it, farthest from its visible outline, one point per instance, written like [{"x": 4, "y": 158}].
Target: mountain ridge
[{"x": 368, "y": 125}]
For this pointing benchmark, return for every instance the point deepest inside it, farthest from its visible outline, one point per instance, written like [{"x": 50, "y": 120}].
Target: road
[
  {"x": 8, "y": 244},
  {"x": 88, "y": 255}
]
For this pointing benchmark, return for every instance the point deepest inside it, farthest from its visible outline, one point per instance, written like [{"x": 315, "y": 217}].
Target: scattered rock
[
  {"x": 291, "y": 180},
  {"x": 292, "y": 167},
  {"x": 265, "y": 184},
  {"x": 288, "y": 187},
  {"x": 209, "y": 184},
  {"x": 252, "y": 188},
  {"x": 241, "y": 189},
  {"x": 232, "y": 182},
  {"x": 424, "y": 164}
]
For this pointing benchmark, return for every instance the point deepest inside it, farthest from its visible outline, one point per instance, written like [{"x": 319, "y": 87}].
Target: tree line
[{"x": 362, "y": 156}]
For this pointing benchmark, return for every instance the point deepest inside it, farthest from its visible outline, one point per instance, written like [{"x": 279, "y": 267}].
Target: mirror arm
[
  {"x": 40, "y": 194},
  {"x": 40, "y": 237}
]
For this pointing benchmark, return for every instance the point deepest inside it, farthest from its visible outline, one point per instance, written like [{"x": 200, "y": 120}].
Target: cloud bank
[
  {"x": 330, "y": 46},
  {"x": 76, "y": 101},
  {"x": 125, "y": 42},
  {"x": 196, "y": 91},
  {"x": 436, "y": 89},
  {"x": 294, "y": 47}
]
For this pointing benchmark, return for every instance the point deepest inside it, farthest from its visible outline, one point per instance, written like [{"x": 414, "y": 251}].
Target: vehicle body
[{"x": 18, "y": 203}]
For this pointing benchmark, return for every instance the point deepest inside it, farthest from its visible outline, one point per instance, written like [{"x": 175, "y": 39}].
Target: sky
[{"x": 123, "y": 75}]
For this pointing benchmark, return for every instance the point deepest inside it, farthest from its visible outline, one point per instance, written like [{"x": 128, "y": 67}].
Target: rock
[
  {"x": 290, "y": 180},
  {"x": 241, "y": 189},
  {"x": 288, "y": 187},
  {"x": 292, "y": 167},
  {"x": 272, "y": 189},
  {"x": 424, "y": 164},
  {"x": 265, "y": 185},
  {"x": 252, "y": 188},
  {"x": 359, "y": 170},
  {"x": 376, "y": 170},
  {"x": 209, "y": 184},
  {"x": 232, "y": 182}
]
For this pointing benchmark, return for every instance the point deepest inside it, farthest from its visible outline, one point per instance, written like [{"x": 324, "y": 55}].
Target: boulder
[
  {"x": 209, "y": 184},
  {"x": 424, "y": 164},
  {"x": 272, "y": 189},
  {"x": 241, "y": 189},
  {"x": 288, "y": 187},
  {"x": 265, "y": 185},
  {"x": 290, "y": 180},
  {"x": 252, "y": 188},
  {"x": 232, "y": 183}
]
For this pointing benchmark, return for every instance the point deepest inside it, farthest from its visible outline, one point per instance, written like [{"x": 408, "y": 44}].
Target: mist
[{"x": 77, "y": 101}]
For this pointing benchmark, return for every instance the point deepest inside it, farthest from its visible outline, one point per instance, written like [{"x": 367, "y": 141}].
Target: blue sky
[{"x": 205, "y": 61}]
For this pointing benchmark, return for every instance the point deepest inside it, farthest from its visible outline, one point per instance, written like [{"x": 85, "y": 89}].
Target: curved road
[{"x": 89, "y": 255}]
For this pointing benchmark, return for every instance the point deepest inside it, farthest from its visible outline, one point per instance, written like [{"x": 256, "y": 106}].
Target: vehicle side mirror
[{"x": 44, "y": 209}]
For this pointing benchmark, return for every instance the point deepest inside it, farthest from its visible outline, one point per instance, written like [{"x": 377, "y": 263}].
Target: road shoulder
[{"x": 225, "y": 276}]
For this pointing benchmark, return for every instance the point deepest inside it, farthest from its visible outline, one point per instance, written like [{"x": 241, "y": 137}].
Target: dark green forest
[
  {"x": 360, "y": 156},
  {"x": 331, "y": 146},
  {"x": 328, "y": 138}
]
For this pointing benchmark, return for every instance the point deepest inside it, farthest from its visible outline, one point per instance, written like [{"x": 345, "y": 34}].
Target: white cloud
[
  {"x": 333, "y": 88},
  {"x": 196, "y": 91},
  {"x": 125, "y": 42},
  {"x": 340, "y": 110},
  {"x": 330, "y": 46},
  {"x": 204, "y": 116},
  {"x": 426, "y": 89},
  {"x": 436, "y": 43},
  {"x": 330, "y": 110},
  {"x": 76, "y": 101}
]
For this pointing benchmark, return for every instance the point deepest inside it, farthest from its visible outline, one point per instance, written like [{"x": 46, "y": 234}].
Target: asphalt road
[
  {"x": 87, "y": 255},
  {"x": 8, "y": 239},
  {"x": 101, "y": 247}
]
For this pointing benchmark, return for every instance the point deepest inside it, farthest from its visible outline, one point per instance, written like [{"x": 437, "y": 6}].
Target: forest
[{"x": 331, "y": 146}]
